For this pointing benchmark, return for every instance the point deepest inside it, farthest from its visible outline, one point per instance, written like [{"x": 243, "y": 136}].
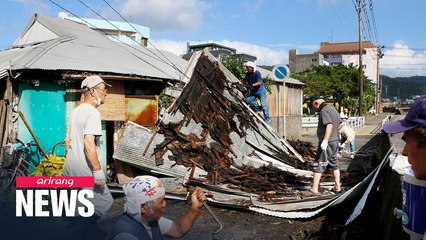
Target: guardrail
[{"x": 353, "y": 122}]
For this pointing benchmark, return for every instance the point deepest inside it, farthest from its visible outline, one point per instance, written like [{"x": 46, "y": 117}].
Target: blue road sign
[{"x": 281, "y": 72}]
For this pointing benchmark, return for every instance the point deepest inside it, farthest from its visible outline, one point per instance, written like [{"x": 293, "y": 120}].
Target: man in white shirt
[{"x": 84, "y": 149}]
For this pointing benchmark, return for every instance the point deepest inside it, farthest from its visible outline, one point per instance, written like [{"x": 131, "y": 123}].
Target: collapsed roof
[{"x": 211, "y": 138}]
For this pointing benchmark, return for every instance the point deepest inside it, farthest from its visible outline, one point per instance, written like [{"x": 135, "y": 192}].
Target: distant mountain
[{"x": 404, "y": 87}]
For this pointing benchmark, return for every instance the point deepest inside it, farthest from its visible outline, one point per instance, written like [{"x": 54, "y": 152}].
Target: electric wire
[
  {"x": 336, "y": 12},
  {"x": 105, "y": 34},
  {"x": 91, "y": 9},
  {"x": 374, "y": 22},
  {"x": 174, "y": 66}
]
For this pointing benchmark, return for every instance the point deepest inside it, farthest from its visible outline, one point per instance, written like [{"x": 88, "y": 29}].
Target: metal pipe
[{"x": 214, "y": 216}]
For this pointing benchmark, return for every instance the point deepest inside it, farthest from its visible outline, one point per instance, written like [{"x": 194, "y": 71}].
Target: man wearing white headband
[{"x": 143, "y": 210}]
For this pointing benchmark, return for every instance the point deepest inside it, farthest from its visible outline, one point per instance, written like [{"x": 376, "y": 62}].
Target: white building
[
  {"x": 348, "y": 53},
  {"x": 133, "y": 34}
]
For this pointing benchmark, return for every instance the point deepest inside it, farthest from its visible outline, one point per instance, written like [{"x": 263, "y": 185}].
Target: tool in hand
[
  {"x": 214, "y": 216},
  {"x": 211, "y": 213}
]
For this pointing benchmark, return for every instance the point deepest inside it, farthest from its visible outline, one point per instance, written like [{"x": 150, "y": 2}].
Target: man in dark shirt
[
  {"x": 257, "y": 90},
  {"x": 328, "y": 141}
]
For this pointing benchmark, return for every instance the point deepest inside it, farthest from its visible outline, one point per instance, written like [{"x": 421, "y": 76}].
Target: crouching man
[{"x": 143, "y": 210}]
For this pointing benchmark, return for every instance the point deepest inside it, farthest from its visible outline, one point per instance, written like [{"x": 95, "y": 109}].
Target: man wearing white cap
[
  {"x": 257, "y": 90},
  {"x": 84, "y": 149},
  {"x": 143, "y": 210}
]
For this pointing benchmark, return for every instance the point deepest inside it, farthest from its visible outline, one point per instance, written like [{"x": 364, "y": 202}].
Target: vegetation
[
  {"x": 339, "y": 83},
  {"x": 403, "y": 87},
  {"x": 235, "y": 65}
]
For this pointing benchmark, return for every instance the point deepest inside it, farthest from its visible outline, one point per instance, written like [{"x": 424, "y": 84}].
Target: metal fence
[{"x": 353, "y": 122}]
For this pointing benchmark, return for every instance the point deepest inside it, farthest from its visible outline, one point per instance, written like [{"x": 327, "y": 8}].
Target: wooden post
[{"x": 32, "y": 134}]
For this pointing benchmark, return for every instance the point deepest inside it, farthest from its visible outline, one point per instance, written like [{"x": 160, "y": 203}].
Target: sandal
[
  {"x": 335, "y": 190},
  {"x": 314, "y": 193}
]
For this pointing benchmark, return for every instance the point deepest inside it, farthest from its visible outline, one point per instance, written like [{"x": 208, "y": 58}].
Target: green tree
[
  {"x": 235, "y": 65},
  {"x": 339, "y": 82}
]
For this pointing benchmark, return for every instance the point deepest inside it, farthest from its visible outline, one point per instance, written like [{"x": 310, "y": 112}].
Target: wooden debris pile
[
  {"x": 306, "y": 149},
  {"x": 265, "y": 181},
  {"x": 203, "y": 102}
]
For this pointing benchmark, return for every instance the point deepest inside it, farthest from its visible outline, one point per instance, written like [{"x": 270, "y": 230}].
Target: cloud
[
  {"x": 32, "y": 6},
  {"x": 165, "y": 15},
  {"x": 252, "y": 7},
  {"x": 301, "y": 47},
  {"x": 326, "y": 3},
  {"x": 176, "y": 47},
  {"x": 265, "y": 55},
  {"x": 401, "y": 61}
]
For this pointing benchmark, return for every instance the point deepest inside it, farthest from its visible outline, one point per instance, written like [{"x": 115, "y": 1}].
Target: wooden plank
[
  {"x": 125, "y": 172},
  {"x": 32, "y": 134},
  {"x": 3, "y": 115}
]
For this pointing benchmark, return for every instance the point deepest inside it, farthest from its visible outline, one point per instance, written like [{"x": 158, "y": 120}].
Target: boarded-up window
[{"x": 114, "y": 108}]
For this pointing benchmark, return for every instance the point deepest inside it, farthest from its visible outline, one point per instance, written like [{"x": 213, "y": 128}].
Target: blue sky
[{"x": 267, "y": 29}]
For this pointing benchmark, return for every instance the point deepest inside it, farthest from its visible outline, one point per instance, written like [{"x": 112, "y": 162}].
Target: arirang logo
[{"x": 54, "y": 202}]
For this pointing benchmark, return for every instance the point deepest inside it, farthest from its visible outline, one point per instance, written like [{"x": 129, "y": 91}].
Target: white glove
[
  {"x": 99, "y": 177},
  {"x": 324, "y": 145}
]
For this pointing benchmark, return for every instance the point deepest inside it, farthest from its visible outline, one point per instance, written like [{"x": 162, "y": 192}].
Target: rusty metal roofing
[
  {"x": 346, "y": 47},
  {"x": 79, "y": 48},
  {"x": 212, "y": 139}
]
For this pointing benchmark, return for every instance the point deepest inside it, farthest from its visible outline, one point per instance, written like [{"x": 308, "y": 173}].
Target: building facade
[
  {"x": 300, "y": 62},
  {"x": 217, "y": 50},
  {"x": 346, "y": 53},
  {"x": 133, "y": 34}
]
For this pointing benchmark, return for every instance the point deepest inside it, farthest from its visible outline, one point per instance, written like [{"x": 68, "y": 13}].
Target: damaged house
[
  {"x": 40, "y": 77},
  {"x": 210, "y": 138}
]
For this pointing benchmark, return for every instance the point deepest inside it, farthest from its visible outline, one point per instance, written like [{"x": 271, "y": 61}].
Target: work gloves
[
  {"x": 324, "y": 145},
  {"x": 99, "y": 176}
]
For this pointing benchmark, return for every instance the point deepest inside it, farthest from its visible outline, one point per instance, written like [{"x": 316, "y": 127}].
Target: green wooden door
[{"x": 44, "y": 109}]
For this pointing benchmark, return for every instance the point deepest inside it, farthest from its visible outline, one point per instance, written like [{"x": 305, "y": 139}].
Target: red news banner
[{"x": 54, "y": 196}]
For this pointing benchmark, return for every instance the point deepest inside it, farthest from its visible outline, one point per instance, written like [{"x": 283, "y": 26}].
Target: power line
[
  {"x": 91, "y": 9},
  {"x": 405, "y": 69},
  {"x": 340, "y": 20},
  {"x": 374, "y": 22},
  {"x": 403, "y": 56},
  {"x": 407, "y": 48},
  {"x": 119, "y": 40},
  {"x": 143, "y": 36}
]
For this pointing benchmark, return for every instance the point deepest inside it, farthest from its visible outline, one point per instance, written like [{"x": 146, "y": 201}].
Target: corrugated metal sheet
[
  {"x": 10, "y": 56},
  {"x": 260, "y": 138},
  {"x": 131, "y": 149},
  {"x": 137, "y": 146},
  {"x": 83, "y": 49}
]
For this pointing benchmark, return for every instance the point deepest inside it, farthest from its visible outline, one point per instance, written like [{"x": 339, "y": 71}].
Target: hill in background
[{"x": 404, "y": 87}]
